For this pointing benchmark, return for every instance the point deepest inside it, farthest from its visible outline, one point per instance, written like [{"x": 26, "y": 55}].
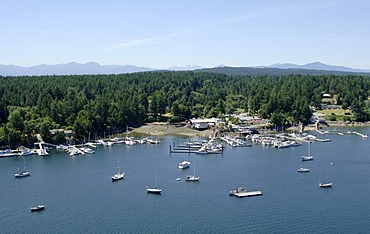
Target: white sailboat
[
  {"x": 38, "y": 208},
  {"x": 21, "y": 174},
  {"x": 308, "y": 157},
  {"x": 192, "y": 178},
  {"x": 119, "y": 175},
  {"x": 326, "y": 184},
  {"x": 155, "y": 189}
]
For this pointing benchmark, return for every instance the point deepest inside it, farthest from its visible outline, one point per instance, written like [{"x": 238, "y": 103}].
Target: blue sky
[{"x": 208, "y": 33}]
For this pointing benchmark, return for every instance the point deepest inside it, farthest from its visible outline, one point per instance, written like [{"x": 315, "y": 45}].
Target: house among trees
[
  {"x": 325, "y": 106},
  {"x": 326, "y": 95},
  {"x": 203, "y": 124},
  {"x": 67, "y": 134},
  {"x": 248, "y": 119}
]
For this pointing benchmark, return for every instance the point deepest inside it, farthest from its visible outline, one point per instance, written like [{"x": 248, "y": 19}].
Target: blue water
[{"x": 81, "y": 198}]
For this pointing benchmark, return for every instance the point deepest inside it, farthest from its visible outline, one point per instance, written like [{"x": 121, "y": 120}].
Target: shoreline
[{"x": 162, "y": 128}]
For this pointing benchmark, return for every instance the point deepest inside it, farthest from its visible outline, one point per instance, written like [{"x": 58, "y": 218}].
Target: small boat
[
  {"x": 308, "y": 157},
  {"x": 192, "y": 178},
  {"x": 237, "y": 190},
  {"x": 154, "y": 190},
  {"x": 242, "y": 192},
  {"x": 26, "y": 152},
  {"x": 21, "y": 174},
  {"x": 156, "y": 141},
  {"x": 304, "y": 169},
  {"x": 74, "y": 152},
  {"x": 184, "y": 164},
  {"x": 178, "y": 179},
  {"x": 38, "y": 208},
  {"x": 119, "y": 175},
  {"x": 87, "y": 150},
  {"x": 326, "y": 185},
  {"x": 24, "y": 173}
]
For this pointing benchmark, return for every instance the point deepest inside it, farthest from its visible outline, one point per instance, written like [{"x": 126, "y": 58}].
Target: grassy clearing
[{"x": 336, "y": 114}]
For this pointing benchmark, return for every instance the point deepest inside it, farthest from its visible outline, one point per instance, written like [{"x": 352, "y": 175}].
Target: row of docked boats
[
  {"x": 130, "y": 141},
  {"x": 235, "y": 142},
  {"x": 13, "y": 153},
  {"x": 211, "y": 147},
  {"x": 73, "y": 150}
]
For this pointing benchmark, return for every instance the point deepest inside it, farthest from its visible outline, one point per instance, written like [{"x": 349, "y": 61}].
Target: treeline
[{"x": 94, "y": 104}]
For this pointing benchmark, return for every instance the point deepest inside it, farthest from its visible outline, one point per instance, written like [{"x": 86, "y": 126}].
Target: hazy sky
[{"x": 162, "y": 34}]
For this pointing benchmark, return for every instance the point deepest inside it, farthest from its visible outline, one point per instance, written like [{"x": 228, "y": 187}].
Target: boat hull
[
  {"x": 192, "y": 178},
  {"x": 22, "y": 174},
  {"x": 249, "y": 194},
  {"x": 154, "y": 190},
  {"x": 117, "y": 177},
  {"x": 306, "y": 158},
  {"x": 184, "y": 165},
  {"x": 302, "y": 170},
  {"x": 37, "y": 208},
  {"x": 326, "y": 185}
]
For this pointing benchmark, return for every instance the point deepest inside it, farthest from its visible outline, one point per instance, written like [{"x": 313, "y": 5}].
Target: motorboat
[
  {"x": 87, "y": 150},
  {"x": 156, "y": 141},
  {"x": 326, "y": 184},
  {"x": 304, "y": 169},
  {"x": 38, "y": 208},
  {"x": 26, "y": 152},
  {"x": 184, "y": 164},
  {"x": 74, "y": 152},
  {"x": 242, "y": 192},
  {"x": 237, "y": 190}
]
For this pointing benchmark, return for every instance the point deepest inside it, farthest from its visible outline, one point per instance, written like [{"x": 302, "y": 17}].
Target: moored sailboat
[
  {"x": 38, "y": 208},
  {"x": 21, "y": 174},
  {"x": 119, "y": 175},
  {"x": 155, "y": 189},
  {"x": 308, "y": 157},
  {"x": 192, "y": 178}
]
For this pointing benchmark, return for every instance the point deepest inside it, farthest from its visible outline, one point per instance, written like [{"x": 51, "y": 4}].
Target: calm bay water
[{"x": 81, "y": 198}]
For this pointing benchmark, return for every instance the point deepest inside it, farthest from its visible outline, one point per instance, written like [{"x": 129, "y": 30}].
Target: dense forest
[{"x": 95, "y": 104}]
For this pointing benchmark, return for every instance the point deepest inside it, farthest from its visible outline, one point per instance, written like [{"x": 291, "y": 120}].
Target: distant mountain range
[
  {"x": 74, "y": 68},
  {"x": 316, "y": 66}
]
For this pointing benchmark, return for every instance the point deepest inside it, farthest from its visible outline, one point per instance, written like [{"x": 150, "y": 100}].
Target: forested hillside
[{"x": 102, "y": 103}]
